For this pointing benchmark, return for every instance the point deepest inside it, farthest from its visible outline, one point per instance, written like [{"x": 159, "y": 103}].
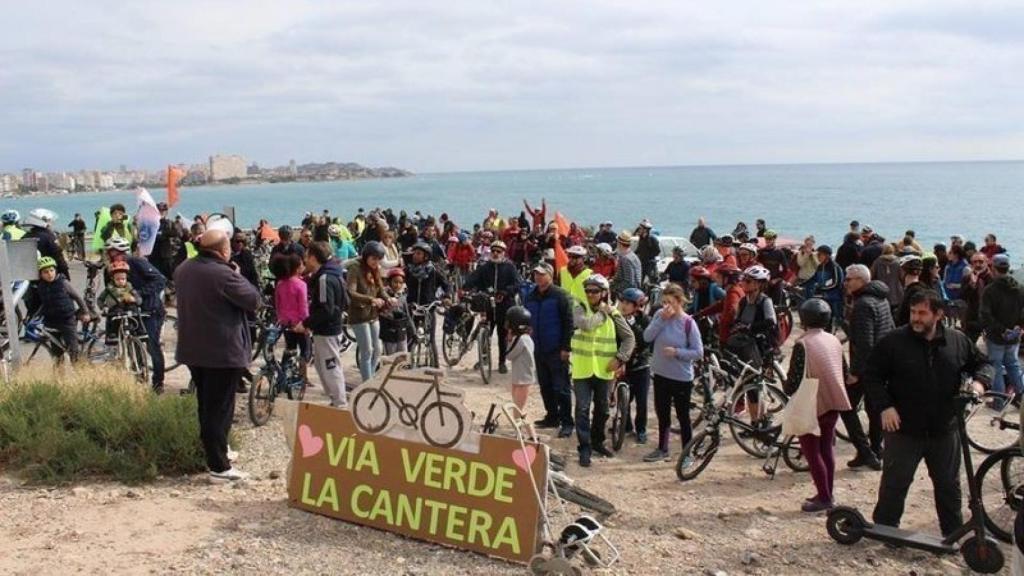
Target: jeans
[
  {"x": 368, "y": 340},
  {"x": 215, "y": 394},
  {"x": 587, "y": 390},
  {"x": 639, "y": 385},
  {"x": 1004, "y": 356},
  {"x": 553, "y": 378},
  {"x": 902, "y": 455},
  {"x": 818, "y": 452},
  {"x": 669, "y": 393},
  {"x": 154, "y": 323}
]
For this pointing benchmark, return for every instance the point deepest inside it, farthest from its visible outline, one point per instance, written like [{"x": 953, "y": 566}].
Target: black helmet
[
  {"x": 422, "y": 247},
  {"x": 815, "y": 313},
  {"x": 517, "y": 318},
  {"x": 373, "y": 248}
]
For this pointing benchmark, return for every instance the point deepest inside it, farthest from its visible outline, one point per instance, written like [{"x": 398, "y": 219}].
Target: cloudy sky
[{"x": 471, "y": 85}]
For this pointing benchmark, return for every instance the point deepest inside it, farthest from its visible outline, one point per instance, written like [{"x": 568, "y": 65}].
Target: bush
[{"x": 97, "y": 423}]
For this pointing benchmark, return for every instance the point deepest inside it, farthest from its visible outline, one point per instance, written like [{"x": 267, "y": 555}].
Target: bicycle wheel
[
  {"x": 572, "y": 493},
  {"x": 261, "y": 398},
  {"x": 1000, "y": 478},
  {"x": 452, "y": 348},
  {"x": 441, "y": 425},
  {"x": 371, "y": 410},
  {"x": 993, "y": 424},
  {"x": 753, "y": 431},
  {"x": 135, "y": 358},
  {"x": 794, "y": 456},
  {"x": 297, "y": 387},
  {"x": 621, "y": 416},
  {"x": 484, "y": 350},
  {"x": 697, "y": 454}
]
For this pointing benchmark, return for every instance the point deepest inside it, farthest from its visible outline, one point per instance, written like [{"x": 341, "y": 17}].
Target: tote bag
[{"x": 801, "y": 413}]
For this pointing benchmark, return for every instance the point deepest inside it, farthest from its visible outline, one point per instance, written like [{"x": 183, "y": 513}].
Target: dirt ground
[{"x": 732, "y": 519}]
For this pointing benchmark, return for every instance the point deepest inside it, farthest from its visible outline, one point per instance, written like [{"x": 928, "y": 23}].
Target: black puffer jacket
[
  {"x": 921, "y": 378},
  {"x": 870, "y": 321},
  {"x": 328, "y": 299},
  {"x": 1002, "y": 308}
]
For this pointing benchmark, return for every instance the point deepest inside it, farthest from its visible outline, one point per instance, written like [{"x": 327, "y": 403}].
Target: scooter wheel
[
  {"x": 982, "y": 556},
  {"x": 845, "y": 526},
  {"x": 538, "y": 565}
]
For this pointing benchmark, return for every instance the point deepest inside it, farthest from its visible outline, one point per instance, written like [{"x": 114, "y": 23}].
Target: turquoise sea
[{"x": 934, "y": 199}]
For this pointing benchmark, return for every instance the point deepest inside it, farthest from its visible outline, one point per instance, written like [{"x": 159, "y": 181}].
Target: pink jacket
[
  {"x": 824, "y": 358},
  {"x": 290, "y": 301}
]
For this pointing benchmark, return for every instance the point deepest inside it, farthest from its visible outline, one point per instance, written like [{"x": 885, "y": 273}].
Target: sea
[{"x": 933, "y": 199}]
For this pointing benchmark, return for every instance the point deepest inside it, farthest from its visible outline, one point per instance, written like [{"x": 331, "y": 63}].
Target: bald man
[{"x": 214, "y": 342}]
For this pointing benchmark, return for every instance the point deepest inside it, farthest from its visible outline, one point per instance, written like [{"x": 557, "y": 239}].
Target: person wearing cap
[
  {"x": 213, "y": 341},
  {"x": 571, "y": 277},
  {"x": 601, "y": 345},
  {"x": 499, "y": 278},
  {"x": 647, "y": 250},
  {"x": 605, "y": 234},
  {"x": 706, "y": 292},
  {"x": 551, "y": 324},
  {"x": 678, "y": 269},
  {"x": 1002, "y": 317},
  {"x": 701, "y": 235},
  {"x": 870, "y": 320},
  {"x": 628, "y": 268},
  {"x": 724, "y": 245},
  {"x": 828, "y": 283}
]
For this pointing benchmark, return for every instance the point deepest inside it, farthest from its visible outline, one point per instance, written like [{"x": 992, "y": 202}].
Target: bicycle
[
  {"x": 438, "y": 421},
  {"x": 274, "y": 378},
  {"x": 131, "y": 349},
  {"x": 458, "y": 328},
  {"x": 90, "y": 340},
  {"x": 1001, "y": 482},
  {"x": 483, "y": 305},
  {"x": 423, "y": 344},
  {"x": 994, "y": 423},
  {"x": 619, "y": 405}
]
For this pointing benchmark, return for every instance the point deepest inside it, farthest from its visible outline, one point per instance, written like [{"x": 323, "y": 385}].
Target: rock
[
  {"x": 749, "y": 558},
  {"x": 686, "y": 534},
  {"x": 132, "y": 494},
  {"x": 274, "y": 474},
  {"x": 81, "y": 492},
  {"x": 753, "y": 533},
  {"x": 713, "y": 572},
  {"x": 724, "y": 514},
  {"x": 656, "y": 530}
]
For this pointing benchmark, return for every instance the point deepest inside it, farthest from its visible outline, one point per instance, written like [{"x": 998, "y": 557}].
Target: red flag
[
  {"x": 562, "y": 223},
  {"x": 561, "y": 229},
  {"x": 174, "y": 175}
]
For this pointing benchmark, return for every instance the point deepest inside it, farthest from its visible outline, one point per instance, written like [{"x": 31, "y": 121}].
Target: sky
[{"x": 470, "y": 85}]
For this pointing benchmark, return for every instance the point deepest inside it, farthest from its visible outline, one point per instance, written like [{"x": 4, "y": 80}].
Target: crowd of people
[{"x": 572, "y": 314}]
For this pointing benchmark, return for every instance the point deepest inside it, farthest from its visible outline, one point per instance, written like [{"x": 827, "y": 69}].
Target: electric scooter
[{"x": 980, "y": 551}]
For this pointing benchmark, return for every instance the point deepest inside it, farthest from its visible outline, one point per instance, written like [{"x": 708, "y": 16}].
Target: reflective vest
[
  {"x": 592, "y": 350},
  {"x": 15, "y": 232},
  {"x": 190, "y": 250},
  {"x": 574, "y": 286}
]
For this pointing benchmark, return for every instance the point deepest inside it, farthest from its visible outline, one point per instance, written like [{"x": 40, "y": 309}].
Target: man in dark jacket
[
  {"x": 213, "y": 341},
  {"x": 1002, "y": 315},
  {"x": 422, "y": 278},
  {"x": 286, "y": 245},
  {"x": 702, "y": 235},
  {"x": 849, "y": 251},
  {"x": 870, "y": 320},
  {"x": 150, "y": 284},
  {"x": 167, "y": 243},
  {"x": 913, "y": 378},
  {"x": 499, "y": 278},
  {"x": 977, "y": 278},
  {"x": 242, "y": 257},
  {"x": 551, "y": 324},
  {"x": 647, "y": 250},
  {"x": 328, "y": 299}
]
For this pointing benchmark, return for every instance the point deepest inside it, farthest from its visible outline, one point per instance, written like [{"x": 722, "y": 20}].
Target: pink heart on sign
[
  {"x": 311, "y": 445},
  {"x": 523, "y": 459}
]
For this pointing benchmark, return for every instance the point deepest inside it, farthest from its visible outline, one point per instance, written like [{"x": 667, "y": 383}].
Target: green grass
[{"x": 98, "y": 423}]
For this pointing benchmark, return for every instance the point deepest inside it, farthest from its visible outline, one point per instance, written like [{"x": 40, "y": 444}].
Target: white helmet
[
  {"x": 749, "y": 247},
  {"x": 596, "y": 280},
  {"x": 576, "y": 251},
  {"x": 604, "y": 248},
  {"x": 119, "y": 244},
  {"x": 757, "y": 273},
  {"x": 40, "y": 217}
]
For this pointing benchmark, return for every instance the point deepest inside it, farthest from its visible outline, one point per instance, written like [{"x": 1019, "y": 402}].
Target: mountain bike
[
  {"x": 274, "y": 378},
  {"x": 455, "y": 339},
  {"x": 483, "y": 305},
  {"x": 131, "y": 348},
  {"x": 1001, "y": 481},
  {"x": 423, "y": 344},
  {"x": 994, "y": 423},
  {"x": 619, "y": 405},
  {"x": 90, "y": 340}
]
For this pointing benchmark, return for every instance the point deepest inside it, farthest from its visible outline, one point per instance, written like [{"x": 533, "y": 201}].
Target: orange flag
[
  {"x": 562, "y": 223},
  {"x": 174, "y": 175},
  {"x": 561, "y": 229}
]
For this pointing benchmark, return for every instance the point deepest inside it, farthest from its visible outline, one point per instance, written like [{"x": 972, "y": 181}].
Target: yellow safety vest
[
  {"x": 15, "y": 232},
  {"x": 190, "y": 250},
  {"x": 574, "y": 286},
  {"x": 592, "y": 350}
]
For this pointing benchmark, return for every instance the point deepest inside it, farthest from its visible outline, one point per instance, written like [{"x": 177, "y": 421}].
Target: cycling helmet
[
  {"x": 373, "y": 248},
  {"x": 422, "y": 247},
  {"x": 910, "y": 261},
  {"x": 749, "y": 247},
  {"x": 40, "y": 217},
  {"x": 334, "y": 231},
  {"x": 517, "y": 318},
  {"x": 726, "y": 240},
  {"x": 396, "y": 272},
  {"x": 815, "y": 313},
  {"x": 645, "y": 223},
  {"x": 759, "y": 273},
  {"x": 633, "y": 295},
  {"x": 769, "y": 234},
  {"x": 46, "y": 262},
  {"x": 596, "y": 280},
  {"x": 10, "y": 217},
  {"x": 119, "y": 266},
  {"x": 498, "y": 245},
  {"x": 604, "y": 248},
  {"x": 699, "y": 273},
  {"x": 576, "y": 251},
  {"x": 118, "y": 243},
  {"x": 709, "y": 255},
  {"x": 463, "y": 237}
]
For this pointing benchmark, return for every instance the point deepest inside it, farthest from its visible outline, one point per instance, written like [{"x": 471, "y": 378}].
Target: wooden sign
[{"x": 484, "y": 501}]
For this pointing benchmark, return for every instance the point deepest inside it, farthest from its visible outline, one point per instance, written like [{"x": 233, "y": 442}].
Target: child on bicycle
[
  {"x": 117, "y": 299},
  {"x": 396, "y": 321},
  {"x": 523, "y": 370},
  {"x": 291, "y": 304},
  {"x": 61, "y": 307}
]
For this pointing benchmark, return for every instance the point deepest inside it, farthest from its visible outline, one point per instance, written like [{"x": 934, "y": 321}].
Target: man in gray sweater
[{"x": 628, "y": 271}]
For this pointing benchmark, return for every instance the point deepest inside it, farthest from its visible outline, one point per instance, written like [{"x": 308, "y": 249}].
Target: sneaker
[
  {"x": 815, "y": 505},
  {"x": 657, "y": 455},
  {"x": 565, "y": 431},
  {"x": 604, "y": 451},
  {"x": 584, "y": 459},
  {"x": 641, "y": 438},
  {"x": 546, "y": 423},
  {"x": 502, "y": 368},
  {"x": 229, "y": 475}
]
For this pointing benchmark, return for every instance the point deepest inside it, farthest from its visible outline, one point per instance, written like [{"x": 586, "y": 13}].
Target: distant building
[
  {"x": 9, "y": 183},
  {"x": 42, "y": 183},
  {"x": 28, "y": 178},
  {"x": 253, "y": 169},
  {"x": 224, "y": 167},
  {"x": 105, "y": 181},
  {"x": 293, "y": 169}
]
